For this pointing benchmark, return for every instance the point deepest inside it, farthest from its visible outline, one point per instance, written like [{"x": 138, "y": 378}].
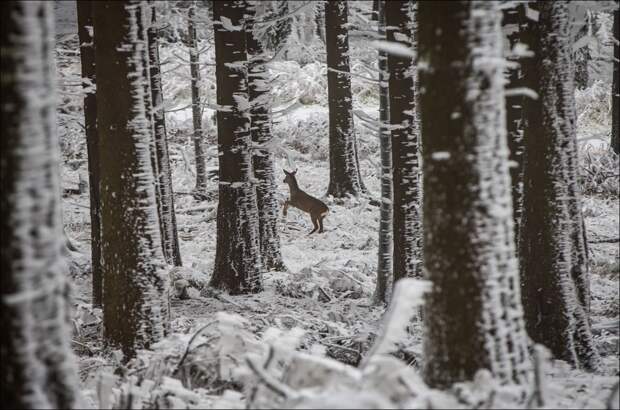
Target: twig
[
  {"x": 188, "y": 346},
  {"x": 342, "y": 348},
  {"x": 607, "y": 240},
  {"x": 279, "y": 388},
  {"x": 270, "y": 357}
]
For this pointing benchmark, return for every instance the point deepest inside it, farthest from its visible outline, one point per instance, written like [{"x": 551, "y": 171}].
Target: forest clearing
[{"x": 460, "y": 248}]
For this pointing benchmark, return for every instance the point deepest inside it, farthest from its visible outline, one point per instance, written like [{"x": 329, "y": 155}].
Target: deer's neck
[{"x": 293, "y": 187}]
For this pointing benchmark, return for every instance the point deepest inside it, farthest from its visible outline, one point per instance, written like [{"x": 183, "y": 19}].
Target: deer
[{"x": 305, "y": 202}]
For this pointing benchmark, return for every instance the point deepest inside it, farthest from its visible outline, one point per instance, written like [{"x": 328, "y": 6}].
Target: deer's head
[{"x": 289, "y": 177}]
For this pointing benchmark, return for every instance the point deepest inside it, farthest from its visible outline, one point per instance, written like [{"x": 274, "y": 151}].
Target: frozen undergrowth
[{"x": 326, "y": 291}]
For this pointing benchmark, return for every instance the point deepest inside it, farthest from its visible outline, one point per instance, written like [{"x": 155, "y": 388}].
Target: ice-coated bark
[
  {"x": 135, "y": 296},
  {"x": 199, "y": 152},
  {"x": 384, "y": 265},
  {"x": 615, "y": 98},
  {"x": 167, "y": 217},
  {"x": 263, "y": 160},
  {"x": 344, "y": 174},
  {"x": 554, "y": 266},
  {"x": 37, "y": 369},
  {"x": 474, "y": 318},
  {"x": 237, "y": 257},
  {"x": 87, "y": 58},
  {"x": 405, "y": 136}
]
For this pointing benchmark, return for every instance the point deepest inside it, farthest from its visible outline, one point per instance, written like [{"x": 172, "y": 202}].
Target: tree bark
[
  {"x": 385, "y": 248},
  {"x": 237, "y": 256},
  {"x": 344, "y": 174},
  {"x": 615, "y": 98},
  {"x": 554, "y": 268},
  {"x": 87, "y": 57},
  {"x": 405, "y": 135},
  {"x": 474, "y": 318},
  {"x": 38, "y": 369},
  {"x": 263, "y": 160},
  {"x": 167, "y": 217},
  {"x": 201, "y": 161},
  {"x": 135, "y": 287}
]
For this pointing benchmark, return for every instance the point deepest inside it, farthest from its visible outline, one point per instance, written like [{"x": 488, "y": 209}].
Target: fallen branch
[{"x": 607, "y": 240}]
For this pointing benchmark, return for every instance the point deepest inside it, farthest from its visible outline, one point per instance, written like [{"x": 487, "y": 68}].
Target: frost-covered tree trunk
[
  {"x": 384, "y": 265},
  {"x": 37, "y": 369},
  {"x": 405, "y": 177},
  {"x": 511, "y": 18},
  {"x": 87, "y": 58},
  {"x": 474, "y": 318},
  {"x": 615, "y": 99},
  {"x": 135, "y": 286},
  {"x": 163, "y": 179},
  {"x": 199, "y": 153},
  {"x": 554, "y": 266},
  {"x": 344, "y": 174},
  {"x": 263, "y": 160},
  {"x": 237, "y": 257}
]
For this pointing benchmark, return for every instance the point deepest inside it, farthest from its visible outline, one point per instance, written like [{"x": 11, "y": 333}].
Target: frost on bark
[
  {"x": 474, "y": 318},
  {"x": 344, "y": 174},
  {"x": 135, "y": 287},
  {"x": 38, "y": 368},
  {"x": 199, "y": 153},
  {"x": 554, "y": 266},
  {"x": 511, "y": 22},
  {"x": 384, "y": 265},
  {"x": 406, "y": 180},
  {"x": 615, "y": 99},
  {"x": 87, "y": 58},
  {"x": 163, "y": 179},
  {"x": 237, "y": 256},
  {"x": 263, "y": 160}
]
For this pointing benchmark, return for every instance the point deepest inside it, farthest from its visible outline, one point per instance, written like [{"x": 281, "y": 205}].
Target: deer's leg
[
  {"x": 316, "y": 225},
  {"x": 321, "y": 224},
  {"x": 285, "y": 208}
]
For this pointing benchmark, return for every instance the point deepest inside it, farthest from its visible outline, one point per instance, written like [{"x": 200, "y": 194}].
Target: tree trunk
[
  {"x": 201, "y": 161},
  {"x": 344, "y": 174},
  {"x": 135, "y": 293},
  {"x": 554, "y": 266},
  {"x": 511, "y": 21},
  {"x": 405, "y": 178},
  {"x": 38, "y": 369},
  {"x": 87, "y": 56},
  {"x": 474, "y": 318},
  {"x": 163, "y": 179},
  {"x": 237, "y": 256},
  {"x": 384, "y": 265},
  {"x": 615, "y": 99},
  {"x": 263, "y": 160}
]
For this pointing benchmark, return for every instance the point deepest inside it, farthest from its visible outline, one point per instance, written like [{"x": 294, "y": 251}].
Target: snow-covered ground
[{"x": 327, "y": 289}]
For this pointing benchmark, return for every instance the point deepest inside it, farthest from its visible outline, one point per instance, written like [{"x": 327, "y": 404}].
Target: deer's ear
[
  {"x": 294, "y": 172},
  {"x": 285, "y": 172}
]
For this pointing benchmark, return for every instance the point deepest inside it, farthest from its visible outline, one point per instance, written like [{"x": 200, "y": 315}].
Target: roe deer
[{"x": 307, "y": 203}]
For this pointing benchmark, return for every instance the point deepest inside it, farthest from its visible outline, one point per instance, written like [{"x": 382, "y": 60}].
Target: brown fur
[{"x": 305, "y": 202}]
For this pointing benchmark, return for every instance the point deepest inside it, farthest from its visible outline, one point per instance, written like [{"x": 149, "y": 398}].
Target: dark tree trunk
[
  {"x": 37, "y": 369},
  {"x": 135, "y": 301},
  {"x": 87, "y": 56},
  {"x": 344, "y": 173},
  {"x": 237, "y": 258},
  {"x": 512, "y": 18},
  {"x": 163, "y": 179},
  {"x": 201, "y": 161},
  {"x": 474, "y": 318},
  {"x": 615, "y": 99},
  {"x": 263, "y": 160},
  {"x": 554, "y": 266},
  {"x": 384, "y": 265},
  {"x": 405, "y": 178}
]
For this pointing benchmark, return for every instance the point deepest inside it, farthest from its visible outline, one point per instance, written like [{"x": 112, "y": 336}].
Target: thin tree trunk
[
  {"x": 87, "y": 56},
  {"x": 384, "y": 265},
  {"x": 263, "y": 160},
  {"x": 167, "y": 217},
  {"x": 344, "y": 174},
  {"x": 405, "y": 178},
  {"x": 237, "y": 257},
  {"x": 554, "y": 268},
  {"x": 615, "y": 98},
  {"x": 201, "y": 161},
  {"x": 38, "y": 369},
  {"x": 135, "y": 288},
  {"x": 474, "y": 318}
]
